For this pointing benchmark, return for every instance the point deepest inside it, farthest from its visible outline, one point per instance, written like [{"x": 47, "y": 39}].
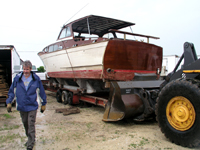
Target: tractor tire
[
  {"x": 178, "y": 112},
  {"x": 64, "y": 97},
  {"x": 59, "y": 96},
  {"x": 70, "y": 98}
]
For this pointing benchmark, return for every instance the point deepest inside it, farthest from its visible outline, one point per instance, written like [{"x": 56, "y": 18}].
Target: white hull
[{"x": 87, "y": 57}]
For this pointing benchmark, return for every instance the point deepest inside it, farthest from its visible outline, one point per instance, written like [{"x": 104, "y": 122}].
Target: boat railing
[{"x": 134, "y": 34}]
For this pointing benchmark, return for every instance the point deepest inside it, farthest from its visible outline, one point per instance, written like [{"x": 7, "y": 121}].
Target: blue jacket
[{"x": 26, "y": 100}]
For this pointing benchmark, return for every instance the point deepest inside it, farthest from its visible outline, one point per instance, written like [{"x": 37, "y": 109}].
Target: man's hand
[
  {"x": 9, "y": 106},
  {"x": 43, "y": 108}
]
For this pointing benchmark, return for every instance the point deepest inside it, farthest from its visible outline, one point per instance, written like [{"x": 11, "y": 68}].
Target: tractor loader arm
[{"x": 190, "y": 61}]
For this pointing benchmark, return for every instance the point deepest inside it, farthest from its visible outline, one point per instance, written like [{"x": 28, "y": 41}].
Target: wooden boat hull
[{"x": 110, "y": 59}]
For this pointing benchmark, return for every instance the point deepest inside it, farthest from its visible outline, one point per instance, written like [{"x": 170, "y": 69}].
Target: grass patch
[
  {"x": 77, "y": 135},
  {"x": 67, "y": 148},
  {"x": 104, "y": 138},
  {"x": 117, "y": 132},
  {"x": 57, "y": 138},
  {"x": 10, "y": 137},
  {"x": 7, "y": 116},
  {"x": 142, "y": 143},
  {"x": 132, "y": 136},
  {"x": 5, "y": 127},
  {"x": 79, "y": 146},
  {"x": 89, "y": 125}
]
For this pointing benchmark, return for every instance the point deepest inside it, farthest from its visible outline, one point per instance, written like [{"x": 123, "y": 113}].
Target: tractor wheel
[
  {"x": 178, "y": 113},
  {"x": 64, "y": 97},
  {"x": 70, "y": 98},
  {"x": 58, "y": 96}
]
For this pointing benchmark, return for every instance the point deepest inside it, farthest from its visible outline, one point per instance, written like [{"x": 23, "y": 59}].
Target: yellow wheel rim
[{"x": 180, "y": 113}]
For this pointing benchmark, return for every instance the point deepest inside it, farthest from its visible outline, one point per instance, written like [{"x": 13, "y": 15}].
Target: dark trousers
[{"x": 28, "y": 119}]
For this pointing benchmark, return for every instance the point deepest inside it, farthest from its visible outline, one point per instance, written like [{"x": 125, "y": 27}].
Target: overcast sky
[{"x": 32, "y": 25}]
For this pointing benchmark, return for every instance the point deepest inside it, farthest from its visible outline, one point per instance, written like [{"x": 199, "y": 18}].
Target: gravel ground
[{"x": 81, "y": 131}]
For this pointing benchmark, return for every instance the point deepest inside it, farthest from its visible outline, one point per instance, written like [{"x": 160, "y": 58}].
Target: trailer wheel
[
  {"x": 70, "y": 98},
  {"x": 64, "y": 97},
  {"x": 58, "y": 96},
  {"x": 178, "y": 113}
]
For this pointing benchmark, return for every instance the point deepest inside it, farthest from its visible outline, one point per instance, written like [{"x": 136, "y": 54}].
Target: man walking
[{"x": 24, "y": 87}]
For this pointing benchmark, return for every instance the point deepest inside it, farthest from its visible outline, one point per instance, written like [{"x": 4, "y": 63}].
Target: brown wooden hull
[{"x": 125, "y": 58}]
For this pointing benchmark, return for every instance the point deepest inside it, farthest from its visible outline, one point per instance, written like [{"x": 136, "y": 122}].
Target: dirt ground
[{"x": 81, "y": 131}]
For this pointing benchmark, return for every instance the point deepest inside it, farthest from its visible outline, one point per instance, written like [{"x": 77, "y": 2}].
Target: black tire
[
  {"x": 64, "y": 97},
  {"x": 70, "y": 98},
  {"x": 178, "y": 113},
  {"x": 58, "y": 96}
]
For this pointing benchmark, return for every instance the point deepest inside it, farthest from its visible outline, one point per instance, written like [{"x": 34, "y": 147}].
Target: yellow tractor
[{"x": 178, "y": 103}]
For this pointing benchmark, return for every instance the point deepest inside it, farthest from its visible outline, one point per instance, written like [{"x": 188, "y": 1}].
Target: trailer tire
[
  {"x": 70, "y": 98},
  {"x": 58, "y": 96},
  {"x": 64, "y": 97},
  {"x": 178, "y": 112}
]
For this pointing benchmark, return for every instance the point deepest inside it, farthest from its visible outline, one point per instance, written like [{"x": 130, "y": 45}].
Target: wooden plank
[
  {"x": 72, "y": 111},
  {"x": 2, "y": 81},
  {"x": 60, "y": 110},
  {"x": 4, "y": 93},
  {"x": 67, "y": 111},
  {"x": 3, "y": 86}
]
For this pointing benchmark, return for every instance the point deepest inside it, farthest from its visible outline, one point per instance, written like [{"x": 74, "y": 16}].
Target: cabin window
[
  {"x": 60, "y": 47},
  {"x": 62, "y": 35},
  {"x": 45, "y": 50},
  {"x": 68, "y": 32},
  {"x": 65, "y": 33},
  {"x": 51, "y": 48},
  {"x": 55, "y": 47}
]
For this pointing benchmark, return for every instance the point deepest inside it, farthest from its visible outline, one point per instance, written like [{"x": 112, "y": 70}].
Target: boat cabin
[{"x": 90, "y": 29}]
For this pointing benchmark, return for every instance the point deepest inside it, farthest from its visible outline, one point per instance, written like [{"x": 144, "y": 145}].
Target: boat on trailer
[{"x": 92, "y": 51}]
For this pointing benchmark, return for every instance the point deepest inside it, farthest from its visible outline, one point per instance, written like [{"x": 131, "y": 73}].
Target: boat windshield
[{"x": 65, "y": 33}]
